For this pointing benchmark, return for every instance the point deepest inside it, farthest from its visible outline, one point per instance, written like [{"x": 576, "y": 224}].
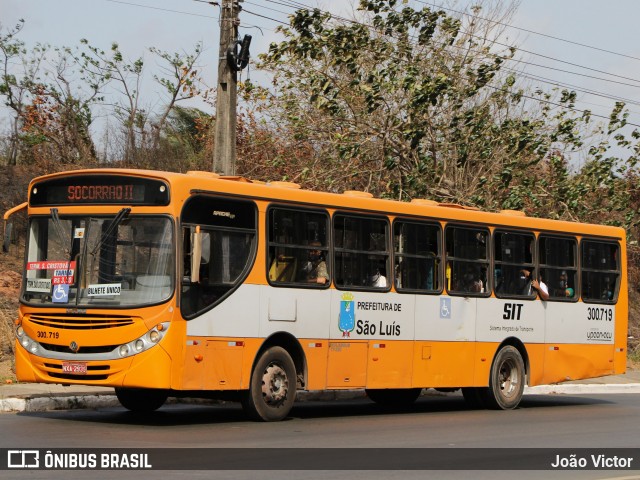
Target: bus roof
[{"x": 197, "y": 181}]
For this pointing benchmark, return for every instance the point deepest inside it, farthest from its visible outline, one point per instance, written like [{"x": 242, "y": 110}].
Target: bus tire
[
  {"x": 272, "y": 390},
  {"x": 141, "y": 400},
  {"x": 506, "y": 380},
  {"x": 394, "y": 397}
]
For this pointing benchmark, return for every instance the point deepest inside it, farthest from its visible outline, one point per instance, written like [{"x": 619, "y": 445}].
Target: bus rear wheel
[
  {"x": 272, "y": 390},
  {"x": 394, "y": 397},
  {"x": 141, "y": 400},
  {"x": 506, "y": 380}
]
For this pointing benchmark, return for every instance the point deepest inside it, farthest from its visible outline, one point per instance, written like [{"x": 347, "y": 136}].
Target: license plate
[{"x": 74, "y": 368}]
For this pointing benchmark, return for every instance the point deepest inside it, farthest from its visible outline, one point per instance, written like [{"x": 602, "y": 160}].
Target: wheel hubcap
[
  {"x": 275, "y": 385},
  {"x": 509, "y": 380}
]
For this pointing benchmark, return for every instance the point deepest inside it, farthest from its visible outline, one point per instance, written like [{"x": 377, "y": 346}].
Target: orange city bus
[{"x": 163, "y": 284}]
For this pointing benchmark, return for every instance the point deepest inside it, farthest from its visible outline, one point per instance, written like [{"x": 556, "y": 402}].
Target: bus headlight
[
  {"x": 27, "y": 342},
  {"x": 145, "y": 342}
]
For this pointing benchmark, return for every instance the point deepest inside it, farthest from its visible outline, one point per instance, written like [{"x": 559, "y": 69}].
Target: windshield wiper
[
  {"x": 110, "y": 228},
  {"x": 57, "y": 224}
]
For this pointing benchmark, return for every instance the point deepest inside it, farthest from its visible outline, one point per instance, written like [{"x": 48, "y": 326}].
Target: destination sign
[{"x": 99, "y": 190}]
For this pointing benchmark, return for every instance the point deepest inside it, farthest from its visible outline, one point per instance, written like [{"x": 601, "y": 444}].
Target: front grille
[
  {"x": 81, "y": 322},
  {"x": 65, "y": 348}
]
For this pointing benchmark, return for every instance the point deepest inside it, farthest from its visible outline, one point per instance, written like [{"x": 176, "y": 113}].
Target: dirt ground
[{"x": 9, "y": 290}]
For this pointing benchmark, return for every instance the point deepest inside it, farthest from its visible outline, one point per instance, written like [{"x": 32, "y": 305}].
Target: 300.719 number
[
  {"x": 45, "y": 334},
  {"x": 600, "y": 313}
]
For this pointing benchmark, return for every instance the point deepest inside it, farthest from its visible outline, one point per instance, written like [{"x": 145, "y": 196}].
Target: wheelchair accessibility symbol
[
  {"x": 445, "y": 308},
  {"x": 60, "y": 294}
]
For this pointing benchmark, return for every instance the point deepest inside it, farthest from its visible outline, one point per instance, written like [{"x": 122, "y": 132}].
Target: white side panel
[
  {"x": 445, "y": 318},
  {"x": 580, "y": 323},
  {"x": 371, "y": 315},
  {"x": 259, "y": 311},
  {"x": 237, "y": 316}
]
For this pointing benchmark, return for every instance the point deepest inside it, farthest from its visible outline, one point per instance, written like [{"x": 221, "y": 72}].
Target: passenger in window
[
  {"x": 472, "y": 281},
  {"x": 498, "y": 279},
  {"x": 563, "y": 280},
  {"x": 607, "y": 293},
  {"x": 316, "y": 267},
  {"x": 377, "y": 279},
  {"x": 537, "y": 284},
  {"x": 524, "y": 284},
  {"x": 569, "y": 293}
]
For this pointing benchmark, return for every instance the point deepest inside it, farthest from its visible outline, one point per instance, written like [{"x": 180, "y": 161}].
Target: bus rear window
[{"x": 600, "y": 271}]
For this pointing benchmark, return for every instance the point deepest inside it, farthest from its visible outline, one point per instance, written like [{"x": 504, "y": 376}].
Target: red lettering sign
[{"x": 83, "y": 193}]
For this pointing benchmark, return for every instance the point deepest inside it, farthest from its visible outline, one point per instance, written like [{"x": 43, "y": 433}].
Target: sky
[{"x": 177, "y": 25}]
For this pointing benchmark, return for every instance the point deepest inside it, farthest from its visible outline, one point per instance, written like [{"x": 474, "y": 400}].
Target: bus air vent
[
  {"x": 458, "y": 206},
  {"x": 235, "y": 178},
  {"x": 81, "y": 322},
  {"x": 424, "y": 201},
  {"x": 202, "y": 173},
  {"x": 516, "y": 213},
  {"x": 357, "y": 193},
  {"x": 284, "y": 185}
]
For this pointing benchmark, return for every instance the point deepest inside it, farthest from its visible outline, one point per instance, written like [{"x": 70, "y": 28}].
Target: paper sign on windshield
[{"x": 103, "y": 290}]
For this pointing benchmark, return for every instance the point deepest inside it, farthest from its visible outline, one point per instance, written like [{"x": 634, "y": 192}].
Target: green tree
[{"x": 411, "y": 103}]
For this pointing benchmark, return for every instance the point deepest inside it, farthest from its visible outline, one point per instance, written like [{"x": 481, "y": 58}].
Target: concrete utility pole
[{"x": 224, "y": 155}]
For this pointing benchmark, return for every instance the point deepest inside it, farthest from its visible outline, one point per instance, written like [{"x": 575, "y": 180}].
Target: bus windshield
[{"x": 104, "y": 261}]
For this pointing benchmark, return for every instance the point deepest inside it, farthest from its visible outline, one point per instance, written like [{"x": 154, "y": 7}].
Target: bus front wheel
[
  {"x": 141, "y": 400},
  {"x": 272, "y": 390},
  {"x": 506, "y": 380}
]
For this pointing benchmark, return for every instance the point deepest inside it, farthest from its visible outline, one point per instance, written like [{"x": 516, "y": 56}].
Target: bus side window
[
  {"x": 298, "y": 247},
  {"x": 361, "y": 252},
  {"x": 513, "y": 254},
  {"x": 558, "y": 266},
  {"x": 467, "y": 260},
  {"x": 417, "y": 250},
  {"x": 600, "y": 271}
]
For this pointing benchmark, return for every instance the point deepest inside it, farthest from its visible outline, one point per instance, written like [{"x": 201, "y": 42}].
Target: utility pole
[{"x": 224, "y": 155}]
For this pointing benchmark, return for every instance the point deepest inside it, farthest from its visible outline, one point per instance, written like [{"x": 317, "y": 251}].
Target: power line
[
  {"x": 161, "y": 9},
  {"x": 263, "y": 16},
  {"x": 576, "y": 73},
  {"x": 530, "y": 31}
]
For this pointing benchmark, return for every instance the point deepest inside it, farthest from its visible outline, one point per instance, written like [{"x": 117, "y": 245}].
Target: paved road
[{"x": 542, "y": 421}]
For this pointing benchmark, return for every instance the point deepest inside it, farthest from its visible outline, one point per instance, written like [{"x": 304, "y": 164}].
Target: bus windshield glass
[{"x": 95, "y": 262}]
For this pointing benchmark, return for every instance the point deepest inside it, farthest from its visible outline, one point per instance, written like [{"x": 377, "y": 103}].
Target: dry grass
[{"x": 7, "y": 316}]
